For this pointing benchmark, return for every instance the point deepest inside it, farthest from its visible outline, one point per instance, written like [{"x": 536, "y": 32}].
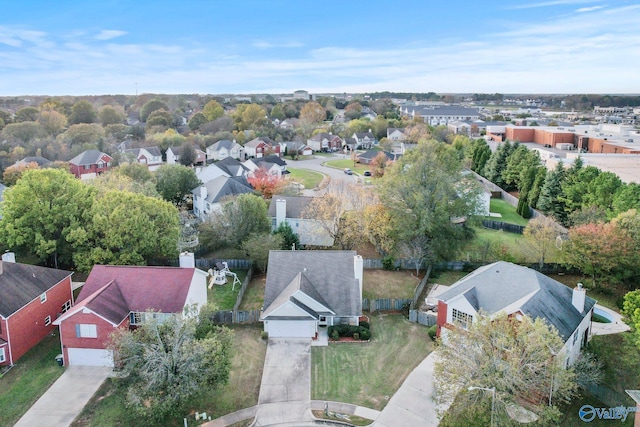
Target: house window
[
  {"x": 43, "y": 298},
  {"x": 575, "y": 337},
  {"x": 136, "y": 318},
  {"x": 84, "y": 330},
  {"x": 66, "y": 306},
  {"x": 86, "y": 167},
  {"x": 47, "y": 321},
  {"x": 461, "y": 319},
  {"x": 2, "y": 356}
]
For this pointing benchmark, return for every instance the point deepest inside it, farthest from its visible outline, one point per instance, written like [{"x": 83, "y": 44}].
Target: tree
[
  {"x": 175, "y": 182},
  {"x": 415, "y": 250},
  {"x": 479, "y": 153},
  {"x": 126, "y": 228},
  {"x": 596, "y": 249},
  {"x": 213, "y": 110},
  {"x": 115, "y": 180},
  {"x": 312, "y": 113},
  {"x": 424, "y": 192},
  {"x": 379, "y": 164},
  {"x": 249, "y": 116},
  {"x": 24, "y": 131},
  {"x": 497, "y": 163},
  {"x": 540, "y": 234},
  {"x": 257, "y": 247},
  {"x": 150, "y": 107},
  {"x": 353, "y": 111},
  {"x": 26, "y": 114},
  {"x": 277, "y": 112},
  {"x": 52, "y": 122},
  {"x": 12, "y": 174},
  {"x": 516, "y": 357},
  {"x": 265, "y": 183},
  {"x": 109, "y": 115},
  {"x": 166, "y": 366},
  {"x": 627, "y": 198},
  {"x": 188, "y": 155},
  {"x": 161, "y": 118},
  {"x": 549, "y": 201},
  {"x": 82, "y": 112},
  {"x": 83, "y": 133},
  {"x": 631, "y": 309},
  {"x": 290, "y": 239},
  {"x": 197, "y": 120},
  {"x": 41, "y": 211}
]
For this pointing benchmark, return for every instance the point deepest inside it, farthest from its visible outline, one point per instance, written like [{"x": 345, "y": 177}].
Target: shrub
[
  {"x": 334, "y": 335},
  {"x": 365, "y": 334},
  {"x": 365, "y": 325},
  {"x": 388, "y": 263},
  {"x": 432, "y": 331},
  {"x": 356, "y": 336},
  {"x": 264, "y": 335}
]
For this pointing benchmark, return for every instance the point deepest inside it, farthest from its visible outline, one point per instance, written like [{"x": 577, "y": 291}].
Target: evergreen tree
[
  {"x": 549, "y": 201},
  {"x": 290, "y": 240},
  {"x": 497, "y": 163}
]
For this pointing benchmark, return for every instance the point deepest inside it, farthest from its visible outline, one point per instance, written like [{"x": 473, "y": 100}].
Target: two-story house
[{"x": 90, "y": 163}]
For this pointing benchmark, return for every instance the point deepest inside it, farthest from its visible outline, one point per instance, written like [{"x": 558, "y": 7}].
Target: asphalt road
[{"x": 316, "y": 164}]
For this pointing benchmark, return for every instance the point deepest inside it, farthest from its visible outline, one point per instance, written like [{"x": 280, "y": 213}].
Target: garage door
[
  {"x": 291, "y": 328},
  {"x": 89, "y": 357}
]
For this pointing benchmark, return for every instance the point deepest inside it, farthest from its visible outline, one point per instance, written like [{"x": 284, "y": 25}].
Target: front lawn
[
  {"x": 368, "y": 374},
  {"x": 347, "y": 163},
  {"x": 507, "y": 211},
  {"x": 107, "y": 407},
  {"x": 310, "y": 179},
  {"x": 222, "y": 295},
  {"x": 31, "y": 376}
]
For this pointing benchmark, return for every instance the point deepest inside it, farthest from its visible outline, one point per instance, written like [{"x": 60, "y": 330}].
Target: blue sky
[{"x": 70, "y": 47}]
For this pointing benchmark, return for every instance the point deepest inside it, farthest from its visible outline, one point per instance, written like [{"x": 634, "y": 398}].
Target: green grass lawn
[
  {"x": 310, "y": 179},
  {"x": 31, "y": 376},
  {"x": 254, "y": 294},
  {"x": 368, "y": 374},
  {"x": 389, "y": 284},
  {"x": 347, "y": 163},
  {"x": 223, "y": 295},
  {"x": 107, "y": 407},
  {"x": 507, "y": 211}
]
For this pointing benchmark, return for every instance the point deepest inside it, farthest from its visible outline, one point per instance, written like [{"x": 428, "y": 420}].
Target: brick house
[
  {"x": 90, "y": 164},
  {"x": 120, "y": 297},
  {"x": 31, "y": 298}
]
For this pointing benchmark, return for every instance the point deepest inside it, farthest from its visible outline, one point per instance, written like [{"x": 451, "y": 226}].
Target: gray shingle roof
[
  {"x": 272, "y": 158},
  {"x": 232, "y": 166},
  {"x": 295, "y": 205},
  {"x": 22, "y": 283},
  {"x": 223, "y": 186},
  {"x": 223, "y": 143},
  {"x": 329, "y": 273},
  {"x": 493, "y": 287},
  {"x": 89, "y": 157}
]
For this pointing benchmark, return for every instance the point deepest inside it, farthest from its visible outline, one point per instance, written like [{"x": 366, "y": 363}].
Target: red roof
[{"x": 137, "y": 289}]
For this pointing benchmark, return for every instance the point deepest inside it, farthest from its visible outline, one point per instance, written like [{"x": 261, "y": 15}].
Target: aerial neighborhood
[{"x": 287, "y": 258}]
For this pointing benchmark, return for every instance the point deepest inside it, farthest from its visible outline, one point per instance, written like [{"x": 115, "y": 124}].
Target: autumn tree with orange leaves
[{"x": 265, "y": 183}]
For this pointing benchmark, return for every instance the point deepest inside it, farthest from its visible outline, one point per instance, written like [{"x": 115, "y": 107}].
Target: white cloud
[
  {"x": 589, "y": 9},
  {"x": 109, "y": 34},
  {"x": 263, "y": 44},
  {"x": 551, "y": 3}
]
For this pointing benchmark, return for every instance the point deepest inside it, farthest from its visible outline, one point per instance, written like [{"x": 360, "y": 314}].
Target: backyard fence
[
  {"x": 422, "y": 317},
  {"x": 245, "y": 284},
  {"x": 385, "y": 304},
  {"x": 608, "y": 396},
  {"x": 499, "y": 225},
  {"x": 398, "y": 264},
  {"x": 227, "y": 317},
  {"x": 234, "y": 264}
]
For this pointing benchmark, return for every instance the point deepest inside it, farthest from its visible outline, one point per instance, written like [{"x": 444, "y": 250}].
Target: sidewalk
[{"x": 64, "y": 400}]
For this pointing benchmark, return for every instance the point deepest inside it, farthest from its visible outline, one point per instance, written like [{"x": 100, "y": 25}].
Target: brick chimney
[{"x": 578, "y": 298}]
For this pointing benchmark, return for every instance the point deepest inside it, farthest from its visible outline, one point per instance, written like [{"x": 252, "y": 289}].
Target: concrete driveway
[
  {"x": 413, "y": 404},
  {"x": 285, "y": 391},
  {"x": 64, "y": 400}
]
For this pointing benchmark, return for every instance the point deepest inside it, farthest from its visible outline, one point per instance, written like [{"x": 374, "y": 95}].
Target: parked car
[
  {"x": 367, "y": 173},
  {"x": 348, "y": 171}
]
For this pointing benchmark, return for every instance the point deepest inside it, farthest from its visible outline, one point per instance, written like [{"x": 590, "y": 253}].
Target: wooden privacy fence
[
  {"x": 227, "y": 317},
  {"x": 422, "y": 317},
  {"x": 245, "y": 284},
  {"x": 385, "y": 304},
  {"x": 499, "y": 225},
  {"x": 234, "y": 264}
]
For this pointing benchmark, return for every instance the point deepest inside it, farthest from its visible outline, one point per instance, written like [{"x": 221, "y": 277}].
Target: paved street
[{"x": 316, "y": 164}]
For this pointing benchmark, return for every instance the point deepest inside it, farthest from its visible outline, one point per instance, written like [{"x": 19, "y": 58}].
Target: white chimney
[
  {"x": 187, "y": 260},
  {"x": 9, "y": 257},
  {"x": 281, "y": 211},
  {"x": 358, "y": 271},
  {"x": 578, "y": 297}
]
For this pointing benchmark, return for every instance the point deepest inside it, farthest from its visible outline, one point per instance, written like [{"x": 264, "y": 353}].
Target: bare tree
[{"x": 540, "y": 235}]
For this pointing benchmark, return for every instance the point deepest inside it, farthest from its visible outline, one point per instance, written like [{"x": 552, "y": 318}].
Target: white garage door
[
  {"x": 89, "y": 357},
  {"x": 291, "y": 328}
]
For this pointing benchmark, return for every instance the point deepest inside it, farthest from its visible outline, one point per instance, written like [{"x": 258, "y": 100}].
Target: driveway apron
[
  {"x": 64, "y": 400},
  {"x": 285, "y": 391}
]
